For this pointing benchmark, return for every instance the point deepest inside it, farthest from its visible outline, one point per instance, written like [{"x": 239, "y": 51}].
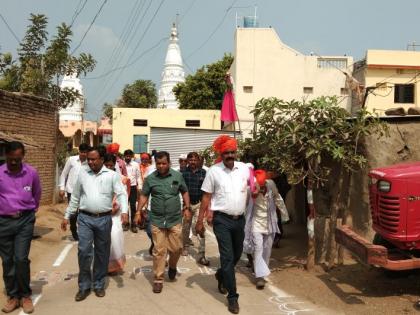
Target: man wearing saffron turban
[
  {"x": 261, "y": 225},
  {"x": 225, "y": 193}
]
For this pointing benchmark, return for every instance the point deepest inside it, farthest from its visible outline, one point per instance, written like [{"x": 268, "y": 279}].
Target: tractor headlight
[{"x": 384, "y": 186}]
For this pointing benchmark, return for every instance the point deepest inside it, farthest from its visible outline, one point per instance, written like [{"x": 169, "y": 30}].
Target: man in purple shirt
[{"x": 20, "y": 192}]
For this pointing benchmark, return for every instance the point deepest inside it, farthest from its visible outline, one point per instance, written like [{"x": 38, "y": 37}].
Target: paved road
[{"x": 195, "y": 291}]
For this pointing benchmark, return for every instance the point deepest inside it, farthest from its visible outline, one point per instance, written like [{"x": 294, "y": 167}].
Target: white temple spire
[
  {"x": 74, "y": 111},
  {"x": 172, "y": 74}
]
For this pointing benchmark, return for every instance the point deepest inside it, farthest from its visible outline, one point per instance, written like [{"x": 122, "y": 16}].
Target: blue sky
[{"x": 326, "y": 27}]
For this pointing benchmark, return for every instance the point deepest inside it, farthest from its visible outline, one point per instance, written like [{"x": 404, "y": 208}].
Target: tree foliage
[
  {"x": 205, "y": 88},
  {"x": 139, "y": 94},
  {"x": 41, "y": 63},
  {"x": 294, "y": 137},
  {"x": 107, "y": 111}
]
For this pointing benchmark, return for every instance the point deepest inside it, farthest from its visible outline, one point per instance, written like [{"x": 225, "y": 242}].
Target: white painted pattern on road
[{"x": 63, "y": 255}]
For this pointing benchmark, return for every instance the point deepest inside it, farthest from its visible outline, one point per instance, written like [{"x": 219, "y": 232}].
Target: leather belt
[
  {"x": 96, "y": 215},
  {"x": 233, "y": 217},
  {"x": 16, "y": 215}
]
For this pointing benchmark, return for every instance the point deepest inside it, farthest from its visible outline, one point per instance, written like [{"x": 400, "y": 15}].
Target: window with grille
[
  {"x": 140, "y": 122},
  {"x": 192, "y": 123},
  {"x": 404, "y": 93}
]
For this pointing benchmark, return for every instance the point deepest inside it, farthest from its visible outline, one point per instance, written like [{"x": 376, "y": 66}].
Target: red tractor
[{"x": 394, "y": 195}]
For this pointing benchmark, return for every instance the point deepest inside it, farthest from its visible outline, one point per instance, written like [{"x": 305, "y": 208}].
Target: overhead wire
[
  {"x": 121, "y": 54},
  {"x": 9, "y": 28},
  {"x": 214, "y": 31},
  {"x": 77, "y": 11},
  {"x": 138, "y": 43},
  {"x": 90, "y": 26}
]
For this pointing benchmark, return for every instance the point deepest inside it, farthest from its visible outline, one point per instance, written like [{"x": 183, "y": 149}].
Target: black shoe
[
  {"x": 133, "y": 229},
  {"x": 233, "y": 306},
  {"x": 151, "y": 249},
  {"x": 171, "y": 273},
  {"x": 81, "y": 295},
  {"x": 125, "y": 227},
  {"x": 220, "y": 286},
  {"x": 100, "y": 292},
  {"x": 417, "y": 305}
]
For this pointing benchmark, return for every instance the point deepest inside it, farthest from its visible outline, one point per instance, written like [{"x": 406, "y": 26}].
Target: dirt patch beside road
[{"x": 352, "y": 288}]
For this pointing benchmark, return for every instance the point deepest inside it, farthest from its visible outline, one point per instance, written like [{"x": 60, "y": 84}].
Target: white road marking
[
  {"x": 63, "y": 255},
  {"x": 35, "y": 299}
]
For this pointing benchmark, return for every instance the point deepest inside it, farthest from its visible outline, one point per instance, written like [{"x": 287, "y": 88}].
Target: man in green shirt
[{"x": 164, "y": 186}]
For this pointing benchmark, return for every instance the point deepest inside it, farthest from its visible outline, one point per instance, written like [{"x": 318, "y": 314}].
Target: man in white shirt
[
  {"x": 133, "y": 174},
  {"x": 68, "y": 179},
  {"x": 225, "y": 193}
]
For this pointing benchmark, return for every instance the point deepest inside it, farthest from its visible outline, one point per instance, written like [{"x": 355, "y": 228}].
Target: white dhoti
[{"x": 262, "y": 253}]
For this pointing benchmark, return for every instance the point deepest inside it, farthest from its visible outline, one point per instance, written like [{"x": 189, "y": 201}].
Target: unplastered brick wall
[{"x": 35, "y": 119}]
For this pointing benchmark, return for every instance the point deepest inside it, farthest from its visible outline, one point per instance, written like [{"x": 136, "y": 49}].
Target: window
[
  {"x": 192, "y": 123},
  {"x": 139, "y": 143},
  {"x": 344, "y": 91},
  {"x": 140, "y": 122},
  {"x": 325, "y": 63},
  {"x": 404, "y": 93},
  {"x": 308, "y": 90},
  {"x": 247, "y": 89}
]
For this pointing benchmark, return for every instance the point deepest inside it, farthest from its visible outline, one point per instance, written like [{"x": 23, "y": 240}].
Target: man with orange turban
[
  {"x": 261, "y": 224},
  {"x": 120, "y": 167},
  {"x": 225, "y": 193}
]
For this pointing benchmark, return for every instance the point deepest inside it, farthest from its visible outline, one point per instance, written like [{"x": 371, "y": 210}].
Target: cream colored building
[
  {"x": 391, "y": 77},
  {"x": 264, "y": 67},
  {"x": 131, "y": 127}
]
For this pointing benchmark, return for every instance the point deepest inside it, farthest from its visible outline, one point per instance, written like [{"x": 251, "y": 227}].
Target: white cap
[{"x": 182, "y": 157}]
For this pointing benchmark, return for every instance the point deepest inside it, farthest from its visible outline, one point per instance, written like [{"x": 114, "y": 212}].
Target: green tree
[
  {"x": 42, "y": 63},
  {"x": 205, "y": 88},
  {"x": 295, "y": 138},
  {"x": 107, "y": 111},
  {"x": 139, "y": 94}
]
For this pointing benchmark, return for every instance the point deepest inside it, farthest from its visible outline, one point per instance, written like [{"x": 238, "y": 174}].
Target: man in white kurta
[{"x": 261, "y": 225}]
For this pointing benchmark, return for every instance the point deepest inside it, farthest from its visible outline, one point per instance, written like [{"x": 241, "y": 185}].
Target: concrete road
[{"x": 194, "y": 292}]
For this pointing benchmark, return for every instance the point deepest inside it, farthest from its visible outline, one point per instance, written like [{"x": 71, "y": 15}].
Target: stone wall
[{"x": 34, "y": 121}]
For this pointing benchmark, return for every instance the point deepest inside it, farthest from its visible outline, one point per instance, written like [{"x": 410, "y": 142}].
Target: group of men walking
[{"x": 171, "y": 205}]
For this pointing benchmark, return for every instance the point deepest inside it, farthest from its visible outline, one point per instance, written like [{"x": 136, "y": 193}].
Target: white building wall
[{"x": 270, "y": 68}]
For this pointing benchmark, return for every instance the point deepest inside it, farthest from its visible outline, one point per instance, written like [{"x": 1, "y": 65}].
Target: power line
[
  {"x": 90, "y": 26},
  {"x": 125, "y": 33},
  {"x": 186, "y": 11},
  {"x": 9, "y": 28},
  {"x": 129, "y": 64},
  {"x": 214, "y": 31},
  {"x": 130, "y": 35},
  {"x": 138, "y": 43},
  {"x": 77, "y": 12}
]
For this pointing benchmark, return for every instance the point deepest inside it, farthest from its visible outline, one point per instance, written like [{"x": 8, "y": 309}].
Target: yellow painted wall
[
  {"x": 123, "y": 129},
  {"x": 383, "y": 98}
]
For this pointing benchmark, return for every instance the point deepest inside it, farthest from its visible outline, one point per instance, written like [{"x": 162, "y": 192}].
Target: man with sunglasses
[{"x": 225, "y": 193}]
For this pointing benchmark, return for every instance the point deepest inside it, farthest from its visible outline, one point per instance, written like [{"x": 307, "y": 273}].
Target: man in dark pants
[
  {"x": 225, "y": 187},
  {"x": 68, "y": 179},
  {"x": 20, "y": 193},
  {"x": 133, "y": 173},
  {"x": 93, "y": 195}
]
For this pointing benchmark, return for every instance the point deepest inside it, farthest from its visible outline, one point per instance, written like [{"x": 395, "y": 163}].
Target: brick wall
[{"x": 35, "y": 118}]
